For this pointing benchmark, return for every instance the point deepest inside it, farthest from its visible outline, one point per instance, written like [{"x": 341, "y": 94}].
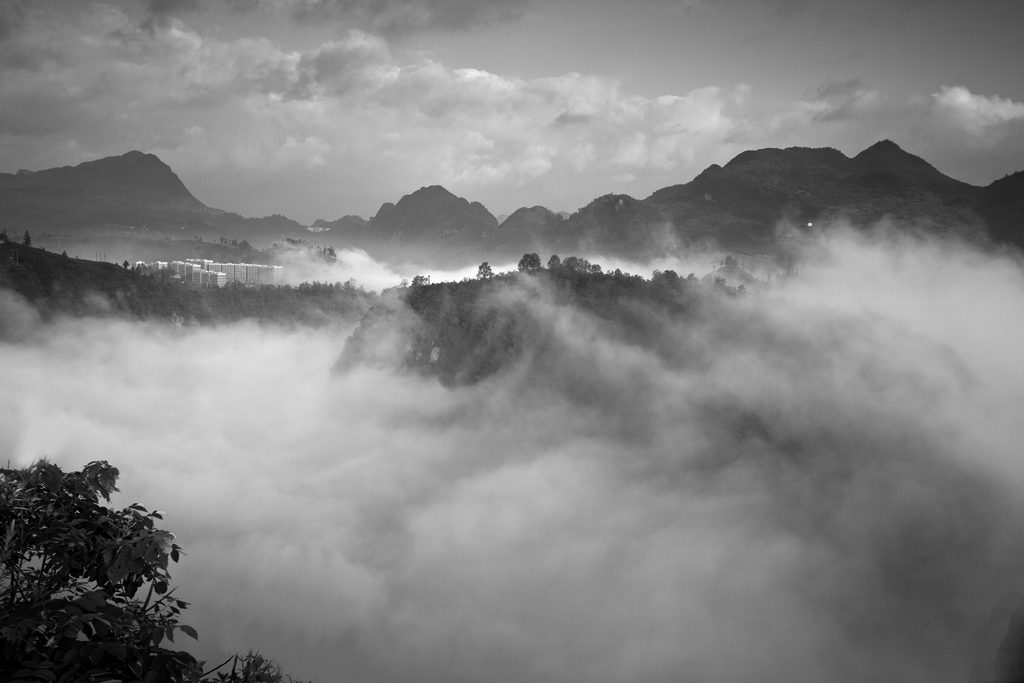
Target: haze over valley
[{"x": 585, "y": 364}]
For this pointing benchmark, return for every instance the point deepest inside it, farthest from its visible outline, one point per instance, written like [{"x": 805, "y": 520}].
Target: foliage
[
  {"x": 464, "y": 332},
  {"x": 529, "y": 262},
  {"x": 484, "y": 272},
  {"x": 58, "y": 285},
  {"x": 580, "y": 265},
  {"x": 72, "y": 572},
  {"x": 27, "y": 239}
]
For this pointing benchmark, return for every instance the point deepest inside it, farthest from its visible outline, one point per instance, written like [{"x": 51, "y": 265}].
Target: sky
[{"x": 322, "y": 108}]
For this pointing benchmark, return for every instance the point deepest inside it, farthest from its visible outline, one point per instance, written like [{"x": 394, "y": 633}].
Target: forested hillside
[
  {"x": 57, "y": 285},
  {"x": 463, "y": 332}
]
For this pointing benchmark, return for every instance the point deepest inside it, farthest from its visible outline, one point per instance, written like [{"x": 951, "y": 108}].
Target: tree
[
  {"x": 529, "y": 262},
  {"x": 125, "y": 264},
  {"x": 3, "y": 236},
  {"x": 484, "y": 272},
  {"x": 27, "y": 239},
  {"x": 581, "y": 265},
  {"x": 669, "y": 277},
  {"x": 420, "y": 280},
  {"x": 554, "y": 261},
  {"x": 71, "y": 575}
]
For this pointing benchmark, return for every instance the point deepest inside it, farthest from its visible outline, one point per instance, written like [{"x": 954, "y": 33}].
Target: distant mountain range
[{"x": 746, "y": 206}]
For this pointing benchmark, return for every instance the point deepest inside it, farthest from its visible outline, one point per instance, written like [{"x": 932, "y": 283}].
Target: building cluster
[{"x": 207, "y": 273}]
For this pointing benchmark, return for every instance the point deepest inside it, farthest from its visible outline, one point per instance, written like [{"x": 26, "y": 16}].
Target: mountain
[
  {"x": 429, "y": 223},
  {"x": 743, "y": 206},
  {"x": 131, "y": 194},
  {"x": 130, "y": 179},
  {"x": 740, "y": 205},
  {"x": 433, "y": 214},
  {"x": 343, "y": 224},
  {"x": 618, "y": 224},
  {"x": 1002, "y": 205},
  {"x": 526, "y": 230},
  {"x": 134, "y": 188}
]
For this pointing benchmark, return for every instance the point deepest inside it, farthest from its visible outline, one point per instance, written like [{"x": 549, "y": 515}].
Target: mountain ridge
[{"x": 738, "y": 206}]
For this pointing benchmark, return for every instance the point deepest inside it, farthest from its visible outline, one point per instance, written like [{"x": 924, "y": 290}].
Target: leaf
[
  {"x": 116, "y": 649},
  {"x": 189, "y": 631}
]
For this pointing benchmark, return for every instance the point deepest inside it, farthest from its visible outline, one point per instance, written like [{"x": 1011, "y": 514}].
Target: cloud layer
[{"x": 822, "y": 483}]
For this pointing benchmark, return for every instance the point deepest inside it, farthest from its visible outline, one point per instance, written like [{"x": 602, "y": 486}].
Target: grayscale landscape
[{"x": 512, "y": 341}]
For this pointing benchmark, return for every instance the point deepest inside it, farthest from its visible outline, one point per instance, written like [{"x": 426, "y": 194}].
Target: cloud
[
  {"x": 12, "y": 17},
  {"x": 822, "y": 483},
  {"x": 166, "y": 7},
  {"x": 978, "y": 114},
  {"x": 246, "y": 120},
  {"x": 405, "y": 16}
]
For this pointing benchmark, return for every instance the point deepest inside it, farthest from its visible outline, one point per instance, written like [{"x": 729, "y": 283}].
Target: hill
[
  {"x": 132, "y": 179},
  {"x": 117, "y": 195},
  {"x": 430, "y": 223},
  {"x": 741, "y": 204},
  {"x": 52, "y": 285},
  {"x": 526, "y": 230},
  {"x": 464, "y": 332},
  {"x": 433, "y": 215}
]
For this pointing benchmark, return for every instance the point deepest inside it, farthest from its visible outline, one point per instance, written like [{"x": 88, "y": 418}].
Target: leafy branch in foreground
[{"x": 73, "y": 574}]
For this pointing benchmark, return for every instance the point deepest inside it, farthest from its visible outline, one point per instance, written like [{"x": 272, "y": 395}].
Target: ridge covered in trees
[
  {"x": 464, "y": 332},
  {"x": 58, "y": 285}
]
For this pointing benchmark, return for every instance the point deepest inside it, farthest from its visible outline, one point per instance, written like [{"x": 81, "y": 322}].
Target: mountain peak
[
  {"x": 886, "y": 156},
  {"x": 433, "y": 212},
  {"x": 883, "y": 145}
]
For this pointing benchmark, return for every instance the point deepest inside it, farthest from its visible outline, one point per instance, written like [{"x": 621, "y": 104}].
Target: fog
[{"x": 829, "y": 485}]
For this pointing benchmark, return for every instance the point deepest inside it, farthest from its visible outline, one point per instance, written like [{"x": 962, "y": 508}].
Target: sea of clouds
[{"x": 826, "y": 484}]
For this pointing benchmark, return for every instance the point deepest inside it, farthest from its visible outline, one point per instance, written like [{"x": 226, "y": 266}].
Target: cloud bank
[{"x": 820, "y": 483}]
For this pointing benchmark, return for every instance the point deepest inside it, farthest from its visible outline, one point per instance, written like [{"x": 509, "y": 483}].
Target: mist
[{"x": 821, "y": 482}]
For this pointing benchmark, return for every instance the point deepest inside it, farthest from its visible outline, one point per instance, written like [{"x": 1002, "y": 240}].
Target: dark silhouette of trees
[
  {"x": 529, "y": 262},
  {"x": 484, "y": 272},
  {"x": 580, "y": 265},
  {"x": 86, "y": 594},
  {"x": 668, "y": 277},
  {"x": 3, "y": 236},
  {"x": 554, "y": 261},
  {"x": 27, "y": 239}
]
